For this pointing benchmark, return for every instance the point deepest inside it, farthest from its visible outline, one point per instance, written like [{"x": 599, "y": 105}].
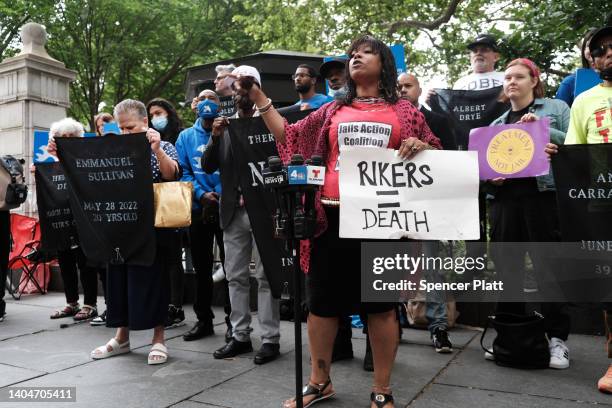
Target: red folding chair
[{"x": 26, "y": 256}]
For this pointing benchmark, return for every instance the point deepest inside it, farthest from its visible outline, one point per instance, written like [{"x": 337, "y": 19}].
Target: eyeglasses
[
  {"x": 601, "y": 50},
  {"x": 294, "y": 76}
]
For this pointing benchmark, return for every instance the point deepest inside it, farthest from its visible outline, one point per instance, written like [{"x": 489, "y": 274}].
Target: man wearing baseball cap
[
  {"x": 238, "y": 239},
  {"x": 484, "y": 54},
  {"x": 591, "y": 122},
  {"x": 333, "y": 71}
]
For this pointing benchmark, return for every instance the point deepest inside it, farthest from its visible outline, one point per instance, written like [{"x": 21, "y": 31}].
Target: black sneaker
[
  {"x": 99, "y": 320},
  {"x": 176, "y": 317},
  {"x": 441, "y": 342}
]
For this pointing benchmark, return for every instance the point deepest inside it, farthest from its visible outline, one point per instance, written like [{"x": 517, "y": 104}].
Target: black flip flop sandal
[
  {"x": 380, "y": 400},
  {"x": 316, "y": 390}
]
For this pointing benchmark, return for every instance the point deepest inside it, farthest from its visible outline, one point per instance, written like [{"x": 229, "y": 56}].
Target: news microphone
[
  {"x": 275, "y": 177},
  {"x": 311, "y": 172}
]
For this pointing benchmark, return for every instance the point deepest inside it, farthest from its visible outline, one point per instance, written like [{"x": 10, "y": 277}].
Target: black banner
[
  {"x": 252, "y": 144},
  {"x": 111, "y": 196},
  {"x": 57, "y": 226},
  {"x": 227, "y": 106},
  {"x": 583, "y": 178},
  {"x": 468, "y": 110}
]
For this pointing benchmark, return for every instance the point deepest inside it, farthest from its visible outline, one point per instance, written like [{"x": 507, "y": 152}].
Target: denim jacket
[{"x": 559, "y": 114}]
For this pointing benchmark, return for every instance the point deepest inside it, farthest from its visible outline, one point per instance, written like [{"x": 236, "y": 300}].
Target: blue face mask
[
  {"x": 340, "y": 94},
  {"x": 207, "y": 109},
  {"x": 160, "y": 122}
]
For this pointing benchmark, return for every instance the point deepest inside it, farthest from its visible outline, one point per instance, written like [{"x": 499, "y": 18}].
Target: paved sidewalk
[{"x": 34, "y": 351}]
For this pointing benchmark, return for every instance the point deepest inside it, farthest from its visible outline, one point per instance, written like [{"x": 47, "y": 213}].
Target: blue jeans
[{"x": 435, "y": 306}]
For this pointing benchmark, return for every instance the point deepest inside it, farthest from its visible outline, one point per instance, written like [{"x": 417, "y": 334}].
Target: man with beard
[
  {"x": 305, "y": 79},
  {"x": 484, "y": 54},
  {"x": 239, "y": 241}
]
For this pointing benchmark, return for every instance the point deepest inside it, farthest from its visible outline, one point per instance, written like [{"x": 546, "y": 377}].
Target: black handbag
[{"x": 521, "y": 340}]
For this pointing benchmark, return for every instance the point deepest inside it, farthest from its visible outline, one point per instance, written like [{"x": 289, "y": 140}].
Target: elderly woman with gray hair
[
  {"x": 73, "y": 259},
  {"x": 138, "y": 296}
]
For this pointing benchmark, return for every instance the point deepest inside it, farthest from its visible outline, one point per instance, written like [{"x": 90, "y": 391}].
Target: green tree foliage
[
  {"x": 435, "y": 32},
  {"x": 141, "y": 48},
  {"x": 13, "y": 15}
]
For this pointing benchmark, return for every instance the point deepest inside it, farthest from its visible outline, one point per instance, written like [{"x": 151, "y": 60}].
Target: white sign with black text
[{"x": 432, "y": 196}]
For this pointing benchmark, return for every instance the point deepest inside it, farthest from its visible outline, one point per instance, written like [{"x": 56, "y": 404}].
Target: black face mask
[{"x": 606, "y": 74}]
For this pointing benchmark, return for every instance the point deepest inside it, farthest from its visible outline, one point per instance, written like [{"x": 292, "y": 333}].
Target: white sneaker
[
  {"x": 559, "y": 354},
  {"x": 219, "y": 274},
  {"x": 489, "y": 356}
]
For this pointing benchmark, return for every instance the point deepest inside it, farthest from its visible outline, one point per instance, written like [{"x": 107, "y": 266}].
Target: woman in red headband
[{"x": 525, "y": 210}]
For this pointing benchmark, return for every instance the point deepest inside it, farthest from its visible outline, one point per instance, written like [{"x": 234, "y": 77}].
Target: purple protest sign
[{"x": 512, "y": 151}]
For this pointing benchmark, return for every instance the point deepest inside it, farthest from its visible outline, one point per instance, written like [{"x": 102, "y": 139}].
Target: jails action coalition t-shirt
[{"x": 361, "y": 124}]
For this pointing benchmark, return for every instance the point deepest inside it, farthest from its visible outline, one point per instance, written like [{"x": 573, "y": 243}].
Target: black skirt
[
  {"x": 333, "y": 284},
  {"x": 137, "y": 297}
]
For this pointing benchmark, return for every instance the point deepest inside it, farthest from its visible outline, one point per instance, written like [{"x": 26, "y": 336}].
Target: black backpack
[
  {"x": 521, "y": 340},
  {"x": 13, "y": 189}
]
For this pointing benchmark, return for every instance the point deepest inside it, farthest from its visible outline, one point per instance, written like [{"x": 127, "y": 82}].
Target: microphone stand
[{"x": 294, "y": 220}]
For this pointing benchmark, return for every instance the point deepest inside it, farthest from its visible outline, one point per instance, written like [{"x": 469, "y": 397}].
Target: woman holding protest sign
[
  {"x": 525, "y": 210},
  {"x": 138, "y": 296},
  {"x": 371, "y": 97},
  {"x": 72, "y": 259}
]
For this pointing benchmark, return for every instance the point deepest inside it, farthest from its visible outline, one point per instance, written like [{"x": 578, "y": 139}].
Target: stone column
[{"x": 34, "y": 92}]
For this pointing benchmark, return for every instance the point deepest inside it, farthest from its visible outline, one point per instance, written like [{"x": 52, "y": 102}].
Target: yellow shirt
[{"x": 591, "y": 117}]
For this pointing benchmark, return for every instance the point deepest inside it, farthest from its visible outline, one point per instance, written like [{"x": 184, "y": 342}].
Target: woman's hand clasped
[{"x": 410, "y": 147}]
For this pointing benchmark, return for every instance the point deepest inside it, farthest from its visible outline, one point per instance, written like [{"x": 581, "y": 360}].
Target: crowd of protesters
[{"x": 363, "y": 87}]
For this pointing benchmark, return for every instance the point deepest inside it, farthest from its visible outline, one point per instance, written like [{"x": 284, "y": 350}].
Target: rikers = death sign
[{"x": 432, "y": 196}]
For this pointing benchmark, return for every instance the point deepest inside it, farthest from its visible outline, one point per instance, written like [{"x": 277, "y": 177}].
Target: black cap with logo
[{"x": 484, "y": 39}]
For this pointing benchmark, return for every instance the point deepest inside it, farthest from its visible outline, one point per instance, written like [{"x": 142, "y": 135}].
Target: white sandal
[
  {"x": 158, "y": 350},
  {"x": 116, "y": 349}
]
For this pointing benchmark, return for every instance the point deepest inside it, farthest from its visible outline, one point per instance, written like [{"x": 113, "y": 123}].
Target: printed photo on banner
[
  {"x": 433, "y": 196},
  {"x": 512, "y": 151}
]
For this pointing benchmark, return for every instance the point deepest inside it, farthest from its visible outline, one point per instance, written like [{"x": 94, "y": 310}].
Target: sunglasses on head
[{"x": 601, "y": 50}]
